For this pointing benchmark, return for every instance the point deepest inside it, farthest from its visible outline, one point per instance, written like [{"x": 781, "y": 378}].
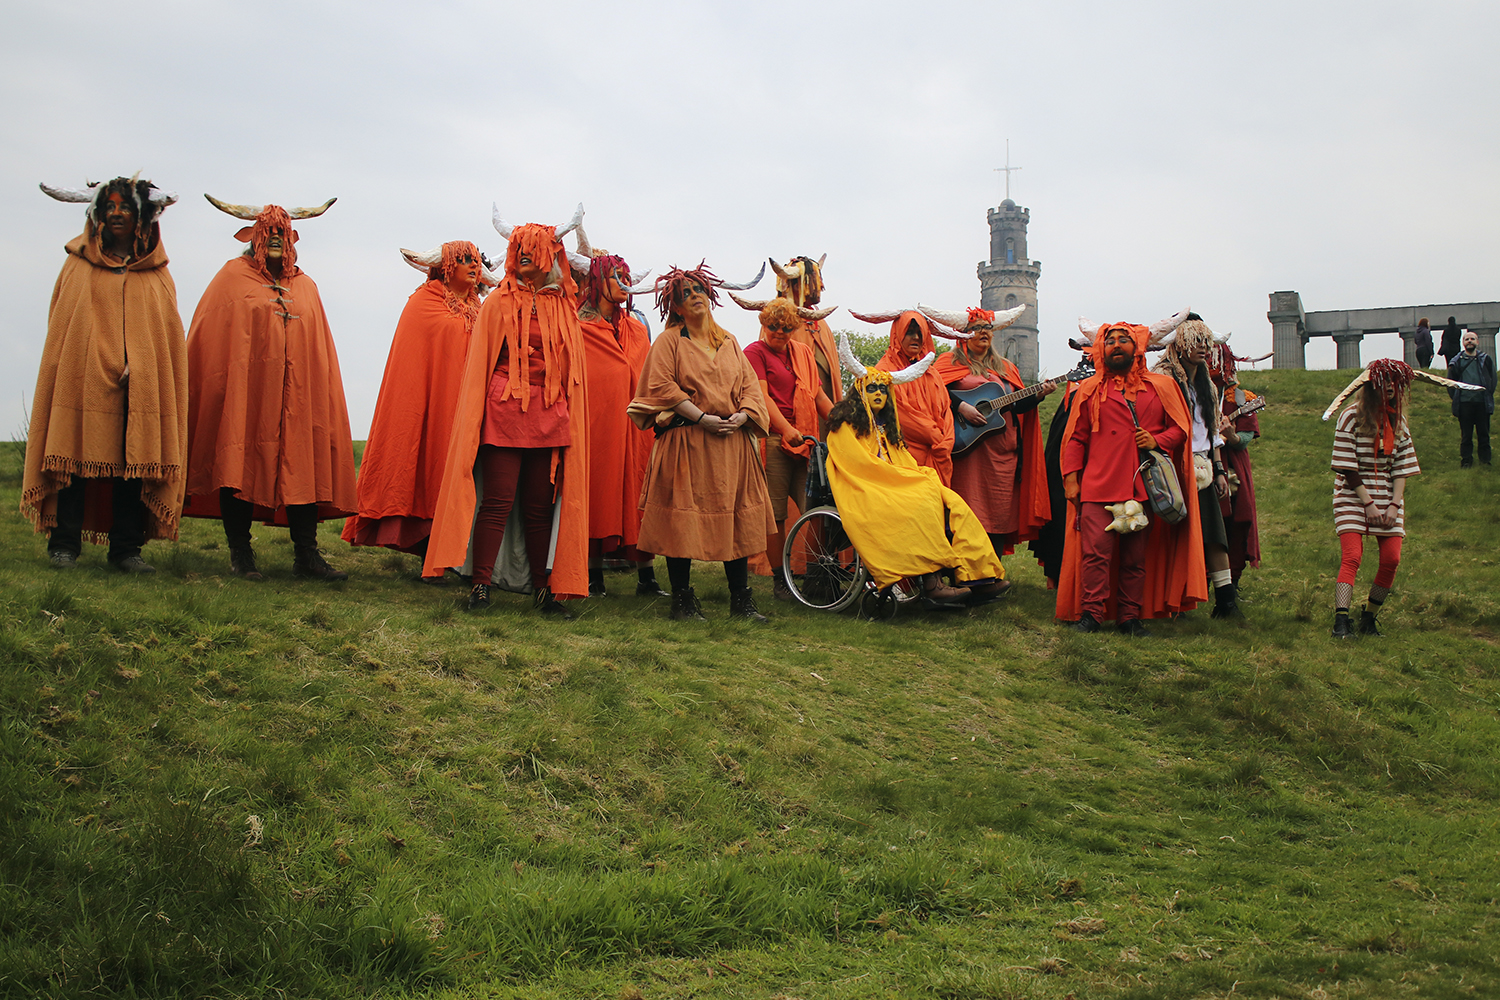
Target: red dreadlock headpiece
[
  {"x": 270, "y": 219},
  {"x": 601, "y": 271},
  {"x": 670, "y": 286}
]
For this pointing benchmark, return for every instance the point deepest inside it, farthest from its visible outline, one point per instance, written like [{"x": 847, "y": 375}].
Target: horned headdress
[
  {"x": 1390, "y": 373},
  {"x": 148, "y": 200},
  {"x": 938, "y": 328},
  {"x": 971, "y": 320},
  {"x": 265, "y": 219},
  {"x": 667, "y": 286},
  {"x": 578, "y": 261},
  {"x": 800, "y": 279},
  {"x": 1161, "y": 333},
  {"x": 443, "y": 258},
  {"x": 864, "y": 376}
]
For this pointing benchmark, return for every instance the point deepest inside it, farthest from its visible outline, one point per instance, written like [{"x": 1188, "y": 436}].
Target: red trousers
[
  {"x": 1352, "y": 547},
  {"x": 509, "y": 473},
  {"x": 1100, "y": 550}
]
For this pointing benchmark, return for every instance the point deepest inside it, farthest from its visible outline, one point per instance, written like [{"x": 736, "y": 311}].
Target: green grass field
[{"x": 211, "y": 788}]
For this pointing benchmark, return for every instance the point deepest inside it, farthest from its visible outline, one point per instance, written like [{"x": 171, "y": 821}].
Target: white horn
[
  {"x": 1359, "y": 380},
  {"x": 579, "y": 261},
  {"x": 72, "y": 195},
  {"x": 813, "y": 315},
  {"x": 1088, "y": 328},
  {"x": 500, "y": 225},
  {"x": 754, "y": 305},
  {"x": 642, "y": 288},
  {"x": 847, "y": 358},
  {"x": 889, "y": 316},
  {"x": 1162, "y": 327},
  {"x": 913, "y": 372},
  {"x": 784, "y": 274},
  {"x": 161, "y": 199},
  {"x": 423, "y": 261},
  {"x": 310, "y": 213},
  {"x": 956, "y": 320},
  {"x": 248, "y": 212},
  {"x": 727, "y": 286},
  {"x": 1221, "y": 338},
  {"x": 947, "y": 332},
  {"x": 640, "y": 279},
  {"x": 584, "y": 246},
  {"x": 820, "y": 263},
  {"x": 1006, "y": 317},
  {"x": 573, "y": 223}
]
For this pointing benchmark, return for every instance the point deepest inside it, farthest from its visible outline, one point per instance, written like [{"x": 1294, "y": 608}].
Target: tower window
[
  {"x": 1010, "y": 302},
  {"x": 1010, "y": 250}
]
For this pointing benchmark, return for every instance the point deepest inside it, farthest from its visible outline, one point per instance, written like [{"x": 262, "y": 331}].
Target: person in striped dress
[{"x": 1373, "y": 457}]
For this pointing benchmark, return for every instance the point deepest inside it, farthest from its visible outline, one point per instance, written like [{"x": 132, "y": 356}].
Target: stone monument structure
[
  {"x": 1008, "y": 279},
  {"x": 1292, "y": 327}
]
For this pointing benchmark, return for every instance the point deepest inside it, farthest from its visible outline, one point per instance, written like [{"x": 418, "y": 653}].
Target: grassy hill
[{"x": 222, "y": 789}]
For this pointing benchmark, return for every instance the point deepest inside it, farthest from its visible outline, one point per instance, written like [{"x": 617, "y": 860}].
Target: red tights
[
  {"x": 1352, "y": 547},
  {"x": 509, "y": 473}
]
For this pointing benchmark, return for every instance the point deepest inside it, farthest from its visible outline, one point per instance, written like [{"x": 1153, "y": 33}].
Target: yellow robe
[{"x": 892, "y": 509}]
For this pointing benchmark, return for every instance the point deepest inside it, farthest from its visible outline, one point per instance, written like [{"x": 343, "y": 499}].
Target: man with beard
[
  {"x": 1116, "y": 413},
  {"x": 1473, "y": 407}
]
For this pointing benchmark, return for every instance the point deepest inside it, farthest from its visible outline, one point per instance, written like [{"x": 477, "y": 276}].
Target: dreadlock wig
[
  {"x": 1191, "y": 335},
  {"x": 1221, "y": 365},
  {"x": 271, "y": 219},
  {"x": 601, "y": 272},
  {"x": 1380, "y": 417},
  {"x": 672, "y": 287},
  {"x": 454, "y": 252}
]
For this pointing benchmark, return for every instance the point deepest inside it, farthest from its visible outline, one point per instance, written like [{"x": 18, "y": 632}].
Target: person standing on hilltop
[
  {"x": 106, "y": 454},
  {"x": 1473, "y": 407}
]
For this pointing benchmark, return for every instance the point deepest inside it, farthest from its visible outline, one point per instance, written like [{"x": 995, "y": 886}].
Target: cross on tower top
[{"x": 1007, "y": 170}]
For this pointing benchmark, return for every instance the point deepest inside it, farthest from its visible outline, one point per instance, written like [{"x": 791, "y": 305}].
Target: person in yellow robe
[{"x": 901, "y": 518}]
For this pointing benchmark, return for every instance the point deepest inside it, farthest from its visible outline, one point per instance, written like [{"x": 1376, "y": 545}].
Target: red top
[
  {"x": 1111, "y": 464},
  {"x": 506, "y": 425},
  {"x": 774, "y": 368}
]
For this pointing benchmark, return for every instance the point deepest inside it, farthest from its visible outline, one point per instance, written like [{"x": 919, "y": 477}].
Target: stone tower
[{"x": 1008, "y": 279}]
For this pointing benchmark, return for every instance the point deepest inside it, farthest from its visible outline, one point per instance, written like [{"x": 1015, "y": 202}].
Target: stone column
[
  {"x": 1486, "y": 338},
  {"x": 1348, "y": 349},
  {"x": 1409, "y": 346},
  {"x": 1288, "y": 337}
]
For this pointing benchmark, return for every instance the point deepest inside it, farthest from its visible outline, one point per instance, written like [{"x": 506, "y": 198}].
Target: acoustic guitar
[
  {"x": 991, "y": 400},
  {"x": 1251, "y": 405}
]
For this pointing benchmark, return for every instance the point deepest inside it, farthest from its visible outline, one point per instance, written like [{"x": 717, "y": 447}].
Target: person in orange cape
[
  {"x": 1003, "y": 476},
  {"x": 705, "y": 494},
  {"x": 268, "y": 429},
  {"x": 615, "y": 344},
  {"x": 926, "y": 413},
  {"x": 795, "y": 402},
  {"x": 1134, "y": 574},
  {"x": 520, "y": 429},
  {"x": 106, "y": 452},
  {"x": 402, "y": 468}
]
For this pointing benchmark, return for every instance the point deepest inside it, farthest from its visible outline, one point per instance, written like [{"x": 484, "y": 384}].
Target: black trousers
[
  {"x": 1473, "y": 418},
  {"x": 302, "y": 520},
  {"x": 127, "y": 530}
]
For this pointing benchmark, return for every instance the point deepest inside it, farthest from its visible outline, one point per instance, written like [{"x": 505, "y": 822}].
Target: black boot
[
  {"x": 1086, "y": 623},
  {"x": 242, "y": 563},
  {"x": 1367, "y": 622},
  {"x": 1227, "y": 602},
  {"x": 685, "y": 606},
  {"x": 543, "y": 601},
  {"x": 1341, "y": 628},
  {"x": 596, "y": 582},
  {"x": 742, "y": 605},
  {"x": 307, "y": 561}
]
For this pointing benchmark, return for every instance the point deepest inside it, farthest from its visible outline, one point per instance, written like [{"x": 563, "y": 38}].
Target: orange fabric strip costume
[
  {"x": 818, "y": 335},
  {"x": 402, "y": 469},
  {"x": 1033, "y": 498},
  {"x": 504, "y": 322},
  {"x": 1176, "y": 579},
  {"x": 619, "y": 451},
  {"x": 266, "y": 411},
  {"x": 926, "y": 415},
  {"x": 87, "y": 418}
]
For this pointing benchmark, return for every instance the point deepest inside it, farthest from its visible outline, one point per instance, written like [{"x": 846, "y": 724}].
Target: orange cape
[
  {"x": 102, "y": 317},
  {"x": 926, "y": 413},
  {"x": 500, "y": 323},
  {"x": 818, "y": 335},
  {"x": 1031, "y": 492},
  {"x": 618, "y": 450},
  {"x": 1176, "y": 579},
  {"x": 402, "y": 468},
  {"x": 266, "y": 412}
]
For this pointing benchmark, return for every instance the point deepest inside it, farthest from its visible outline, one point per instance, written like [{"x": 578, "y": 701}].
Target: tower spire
[{"x": 1007, "y": 170}]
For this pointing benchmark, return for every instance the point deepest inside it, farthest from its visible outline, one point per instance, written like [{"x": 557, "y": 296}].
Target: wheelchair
[{"x": 834, "y": 578}]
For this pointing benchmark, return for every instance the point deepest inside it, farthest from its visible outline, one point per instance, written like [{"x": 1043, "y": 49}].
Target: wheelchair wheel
[{"x": 835, "y": 578}]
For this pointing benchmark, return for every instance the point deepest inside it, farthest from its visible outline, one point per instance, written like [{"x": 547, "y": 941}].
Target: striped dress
[{"x": 1354, "y": 451}]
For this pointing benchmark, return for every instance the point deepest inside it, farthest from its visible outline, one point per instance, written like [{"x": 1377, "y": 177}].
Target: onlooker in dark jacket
[
  {"x": 1473, "y": 407},
  {"x": 1449, "y": 348},
  {"x": 1422, "y": 342}
]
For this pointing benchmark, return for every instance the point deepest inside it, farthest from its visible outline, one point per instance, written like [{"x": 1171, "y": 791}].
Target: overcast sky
[{"x": 1172, "y": 153}]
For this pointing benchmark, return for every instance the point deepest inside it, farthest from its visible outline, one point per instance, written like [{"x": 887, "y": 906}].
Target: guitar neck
[{"x": 1014, "y": 397}]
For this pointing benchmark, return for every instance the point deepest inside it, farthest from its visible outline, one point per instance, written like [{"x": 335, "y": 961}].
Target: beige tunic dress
[{"x": 704, "y": 496}]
